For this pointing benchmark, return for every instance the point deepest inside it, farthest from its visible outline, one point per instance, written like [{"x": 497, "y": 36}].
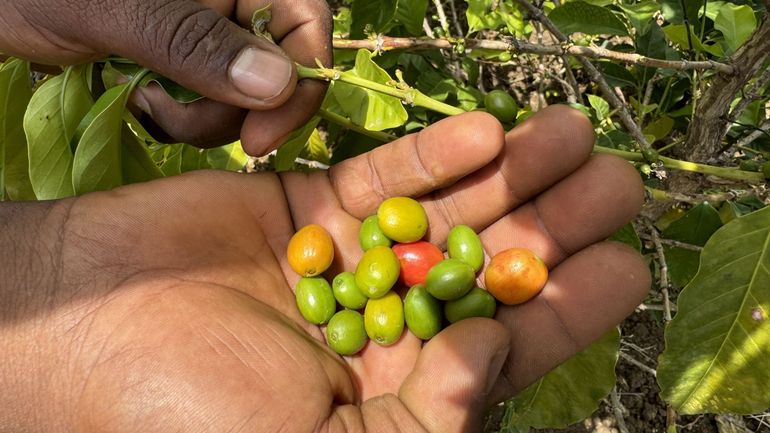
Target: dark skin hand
[
  {"x": 250, "y": 84},
  {"x": 168, "y": 306}
]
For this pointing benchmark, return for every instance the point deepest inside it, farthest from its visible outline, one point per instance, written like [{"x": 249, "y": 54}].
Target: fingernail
[{"x": 260, "y": 74}]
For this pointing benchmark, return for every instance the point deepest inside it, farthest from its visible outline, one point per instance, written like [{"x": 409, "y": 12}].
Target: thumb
[
  {"x": 200, "y": 49},
  {"x": 448, "y": 389}
]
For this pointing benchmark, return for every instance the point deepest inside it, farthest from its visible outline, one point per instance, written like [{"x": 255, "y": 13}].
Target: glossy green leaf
[
  {"x": 579, "y": 16},
  {"x": 230, "y": 157},
  {"x": 171, "y": 159},
  {"x": 97, "y": 163},
  {"x": 137, "y": 165},
  {"x": 694, "y": 227},
  {"x": 52, "y": 117},
  {"x": 315, "y": 148},
  {"x": 494, "y": 14},
  {"x": 717, "y": 356},
  {"x": 569, "y": 393},
  {"x": 736, "y": 23},
  {"x": 712, "y": 9},
  {"x": 176, "y": 91},
  {"x": 627, "y": 234},
  {"x": 616, "y": 75},
  {"x": 600, "y": 106},
  {"x": 15, "y": 94},
  {"x": 651, "y": 44},
  {"x": 372, "y": 110},
  {"x": 677, "y": 34},
  {"x": 292, "y": 147},
  {"x": 640, "y": 14}
]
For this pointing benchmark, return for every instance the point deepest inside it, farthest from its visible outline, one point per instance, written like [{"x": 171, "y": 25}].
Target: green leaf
[
  {"x": 717, "y": 356},
  {"x": 674, "y": 13},
  {"x": 736, "y": 23},
  {"x": 659, "y": 128},
  {"x": 651, "y": 44},
  {"x": 230, "y": 157},
  {"x": 694, "y": 227},
  {"x": 410, "y": 14},
  {"x": 372, "y": 110},
  {"x": 52, "y": 117},
  {"x": 600, "y": 106},
  {"x": 677, "y": 34},
  {"x": 171, "y": 159},
  {"x": 137, "y": 165},
  {"x": 627, "y": 235},
  {"x": 15, "y": 94},
  {"x": 380, "y": 16},
  {"x": 292, "y": 147},
  {"x": 97, "y": 163},
  {"x": 179, "y": 93},
  {"x": 193, "y": 158},
  {"x": 712, "y": 9},
  {"x": 614, "y": 139},
  {"x": 494, "y": 14},
  {"x": 569, "y": 393},
  {"x": 640, "y": 14},
  {"x": 616, "y": 75},
  {"x": 315, "y": 148},
  {"x": 342, "y": 22},
  {"x": 579, "y": 16}
]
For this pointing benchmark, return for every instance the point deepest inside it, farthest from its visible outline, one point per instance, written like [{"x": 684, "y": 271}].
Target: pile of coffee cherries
[{"x": 440, "y": 287}]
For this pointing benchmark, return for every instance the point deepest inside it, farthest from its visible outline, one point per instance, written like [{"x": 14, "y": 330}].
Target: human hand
[
  {"x": 174, "y": 309},
  {"x": 250, "y": 84}
]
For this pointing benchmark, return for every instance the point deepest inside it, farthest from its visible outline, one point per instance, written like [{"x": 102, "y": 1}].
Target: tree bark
[{"x": 710, "y": 121}]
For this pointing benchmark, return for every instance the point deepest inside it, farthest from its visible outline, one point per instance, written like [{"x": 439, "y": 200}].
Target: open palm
[{"x": 176, "y": 297}]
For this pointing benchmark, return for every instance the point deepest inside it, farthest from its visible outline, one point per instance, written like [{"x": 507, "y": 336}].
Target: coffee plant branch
[
  {"x": 594, "y": 74},
  {"x": 518, "y": 46},
  {"x": 414, "y": 97}
]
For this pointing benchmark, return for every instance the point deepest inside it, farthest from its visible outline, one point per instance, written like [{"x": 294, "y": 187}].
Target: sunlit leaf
[
  {"x": 97, "y": 162},
  {"x": 230, "y": 157},
  {"x": 736, "y": 23},
  {"x": 55, "y": 111},
  {"x": 717, "y": 356},
  {"x": 292, "y": 147}
]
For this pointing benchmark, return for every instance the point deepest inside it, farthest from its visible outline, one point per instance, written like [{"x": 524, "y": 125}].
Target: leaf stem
[
  {"x": 671, "y": 163},
  {"x": 409, "y": 96}
]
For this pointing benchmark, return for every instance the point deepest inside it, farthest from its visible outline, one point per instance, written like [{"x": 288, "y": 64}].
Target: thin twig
[
  {"x": 673, "y": 243},
  {"x": 751, "y": 95},
  {"x": 664, "y": 283},
  {"x": 520, "y": 46},
  {"x": 762, "y": 129},
  {"x": 441, "y": 15},
  {"x": 426, "y": 28},
  {"x": 617, "y": 410},
  {"x": 654, "y": 307},
  {"x": 639, "y": 364},
  {"x": 594, "y": 73},
  {"x": 456, "y": 21}
]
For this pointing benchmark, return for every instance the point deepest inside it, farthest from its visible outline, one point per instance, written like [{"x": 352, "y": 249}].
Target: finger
[
  {"x": 447, "y": 391},
  {"x": 193, "y": 45},
  {"x": 541, "y": 151},
  {"x": 204, "y": 123},
  {"x": 585, "y": 297},
  {"x": 581, "y": 209},
  {"x": 304, "y": 32},
  {"x": 417, "y": 163}
]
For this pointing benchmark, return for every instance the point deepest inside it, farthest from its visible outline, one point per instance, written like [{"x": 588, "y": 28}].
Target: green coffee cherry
[
  {"x": 450, "y": 279},
  {"x": 501, "y": 105},
  {"x": 346, "y": 291},
  {"x": 476, "y": 303},
  {"x": 464, "y": 244},
  {"x": 371, "y": 235},
  {"x": 384, "y": 319},
  {"x": 377, "y": 271},
  {"x": 315, "y": 300},
  {"x": 346, "y": 333},
  {"x": 422, "y": 313}
]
